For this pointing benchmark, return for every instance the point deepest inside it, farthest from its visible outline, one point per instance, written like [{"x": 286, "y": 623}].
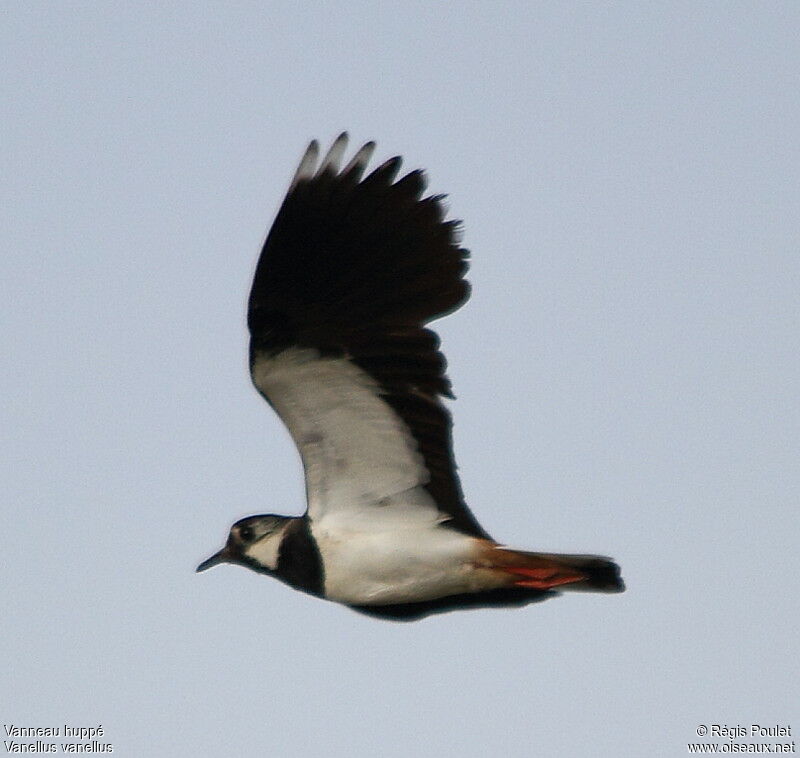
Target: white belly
[{"x": 398, "y": 566}]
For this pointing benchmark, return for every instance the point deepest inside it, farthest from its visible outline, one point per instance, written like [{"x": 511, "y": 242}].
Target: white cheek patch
[{"x": 265, "y": 551}]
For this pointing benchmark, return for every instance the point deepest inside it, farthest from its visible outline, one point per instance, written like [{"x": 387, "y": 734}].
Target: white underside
[
  {"x": 398, "y": 566},
  {"x": 377, "y": 528},
  {"x": 361, "y": 462}
]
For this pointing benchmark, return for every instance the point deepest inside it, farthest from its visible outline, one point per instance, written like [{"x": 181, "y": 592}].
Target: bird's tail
[{"x": 545, "y": 571}]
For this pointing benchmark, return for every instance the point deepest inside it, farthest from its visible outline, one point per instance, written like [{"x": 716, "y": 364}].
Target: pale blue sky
[{"x": 627, "y": 370}]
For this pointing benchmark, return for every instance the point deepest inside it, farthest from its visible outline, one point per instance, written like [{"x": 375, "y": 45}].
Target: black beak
[{"x": 223, "y": 556}]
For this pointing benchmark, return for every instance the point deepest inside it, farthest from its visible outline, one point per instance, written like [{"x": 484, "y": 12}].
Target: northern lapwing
[{"x": 351, "y": 272}]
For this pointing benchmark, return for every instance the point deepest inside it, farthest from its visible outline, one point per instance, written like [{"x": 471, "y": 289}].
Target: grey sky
[{"x": 627, "y": 369}]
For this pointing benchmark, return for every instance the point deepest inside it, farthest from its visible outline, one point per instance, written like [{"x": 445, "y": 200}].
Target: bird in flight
[{"x": 352, "y": 270}]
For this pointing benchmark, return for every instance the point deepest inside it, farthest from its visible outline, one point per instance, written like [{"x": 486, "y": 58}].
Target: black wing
[{"x": 353, "y": 269}]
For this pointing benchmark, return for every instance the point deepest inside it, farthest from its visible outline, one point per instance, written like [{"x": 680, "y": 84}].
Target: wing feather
[{"x": 351, "y": 272}]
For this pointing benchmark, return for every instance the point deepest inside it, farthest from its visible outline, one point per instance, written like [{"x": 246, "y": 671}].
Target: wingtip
[
  {"x": 311, "y": 167},
  {"x": 387, "y": 171},
  {"x": 359, "y": 161},
  {"x": 305, "y": 170},
  {"x": 334, "y": 155}
]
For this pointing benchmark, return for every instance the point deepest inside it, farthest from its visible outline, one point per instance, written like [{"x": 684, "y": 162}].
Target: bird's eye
[{"x": 246, "y": 533}]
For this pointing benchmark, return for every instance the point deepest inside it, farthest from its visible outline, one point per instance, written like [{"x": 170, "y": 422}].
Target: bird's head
[{"x": 253, "y": 542}]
